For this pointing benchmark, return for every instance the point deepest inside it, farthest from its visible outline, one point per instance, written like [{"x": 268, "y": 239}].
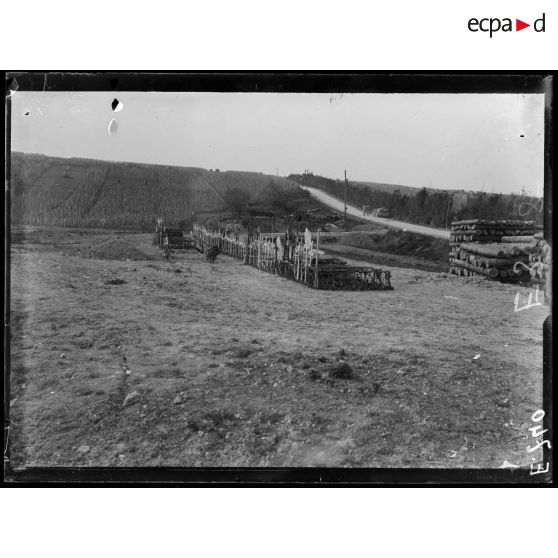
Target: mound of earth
[
  {"x": 372, "y": 227},
  {"x": 403, "y": 243},
  {"x": 372, "y": 230},
  {"x": 117, "y": 249}
]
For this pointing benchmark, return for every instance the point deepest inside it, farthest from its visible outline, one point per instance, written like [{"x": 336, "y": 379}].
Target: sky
[{"x": 490, "y": 142}]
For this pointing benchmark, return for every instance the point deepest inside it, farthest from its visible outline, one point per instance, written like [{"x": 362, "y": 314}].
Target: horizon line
[{"x": 364, "y": 182}]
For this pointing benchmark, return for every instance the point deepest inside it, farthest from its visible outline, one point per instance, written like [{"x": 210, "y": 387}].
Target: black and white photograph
[{"x": 280, "y": 272}]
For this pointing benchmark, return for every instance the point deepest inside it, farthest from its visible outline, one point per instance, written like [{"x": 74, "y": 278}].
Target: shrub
[
  {"x": 342, "y": 371},
  {"x": 212, "y": 253}
]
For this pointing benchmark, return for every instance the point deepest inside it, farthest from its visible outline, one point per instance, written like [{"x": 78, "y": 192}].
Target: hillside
[
  {"x": 91, "y": 193},
  {"x": 428, "y": 206},
  {"x": 317, "y": 181}
]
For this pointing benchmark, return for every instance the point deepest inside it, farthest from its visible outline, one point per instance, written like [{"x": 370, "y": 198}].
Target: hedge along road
[{"x": 339, "y": 206}]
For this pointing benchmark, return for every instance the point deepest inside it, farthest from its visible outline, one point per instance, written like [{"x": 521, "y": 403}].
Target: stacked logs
[
  {"x": 479, "y": 230},
  {"x": 170, "y": 238},
  {"x": 175, "y": 238},
  {"x": 495, "y": 249}
]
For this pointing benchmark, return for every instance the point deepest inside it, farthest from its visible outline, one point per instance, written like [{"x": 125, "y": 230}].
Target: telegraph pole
[
  {"x": 450, "y": 200},
  {"x": 345, "y": 195}
]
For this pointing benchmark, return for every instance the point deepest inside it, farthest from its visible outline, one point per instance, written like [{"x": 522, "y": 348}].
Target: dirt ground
[{"x": 224, "y": 365}]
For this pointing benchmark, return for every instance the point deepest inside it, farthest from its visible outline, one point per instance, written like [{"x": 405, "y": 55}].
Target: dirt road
[{"x": 338, "y": 205}]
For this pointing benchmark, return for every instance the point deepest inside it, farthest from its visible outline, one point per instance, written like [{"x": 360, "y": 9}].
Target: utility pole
[
  {"x": 345, "y": 195},
  {"x": 450, "y": 200},
  {"x": 317, "y": 248}
]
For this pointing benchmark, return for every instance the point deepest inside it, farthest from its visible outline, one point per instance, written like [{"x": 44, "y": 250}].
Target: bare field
[{"x": 233, "y": 367}]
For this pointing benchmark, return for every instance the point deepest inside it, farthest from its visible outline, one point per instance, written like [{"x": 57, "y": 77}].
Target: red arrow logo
[{"x": 519, "y": 25}]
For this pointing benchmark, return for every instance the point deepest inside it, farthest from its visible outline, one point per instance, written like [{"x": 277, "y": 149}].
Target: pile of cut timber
[
  {"x": 175, "y": 239},
  {"x": 495, "y": 249},
  {"x": 479, "y": 230}
]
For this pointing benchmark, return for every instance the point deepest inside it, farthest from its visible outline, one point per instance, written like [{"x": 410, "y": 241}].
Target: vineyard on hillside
[{"x": 90, "y": 193}]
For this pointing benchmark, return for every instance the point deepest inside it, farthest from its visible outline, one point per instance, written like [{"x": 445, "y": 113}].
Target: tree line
[{"x": 433, "y": 208}]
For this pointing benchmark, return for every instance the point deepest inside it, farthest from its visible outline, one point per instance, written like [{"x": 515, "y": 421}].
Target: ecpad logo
[{"x": 494, "y": 24}]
